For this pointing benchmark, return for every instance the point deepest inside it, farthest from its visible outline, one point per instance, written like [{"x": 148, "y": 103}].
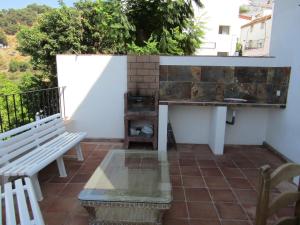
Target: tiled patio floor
[{"x": 207, "y": 189}]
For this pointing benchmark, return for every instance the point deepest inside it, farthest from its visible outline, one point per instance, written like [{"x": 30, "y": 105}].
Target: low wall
[
  {"x": 95, "y": 86},
  {"x": 94, "y": 94}
]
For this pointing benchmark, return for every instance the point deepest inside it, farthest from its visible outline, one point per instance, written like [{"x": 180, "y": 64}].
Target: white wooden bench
[
  {"x": 20, "y": 204},
  {"x": 26, "y": 150}
]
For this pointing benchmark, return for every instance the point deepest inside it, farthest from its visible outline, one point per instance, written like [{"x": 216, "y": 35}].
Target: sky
[{"x": 6, "y": 4}]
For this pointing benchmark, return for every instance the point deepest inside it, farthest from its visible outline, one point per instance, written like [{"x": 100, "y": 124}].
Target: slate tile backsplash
[{"x": 214, "y": 83}]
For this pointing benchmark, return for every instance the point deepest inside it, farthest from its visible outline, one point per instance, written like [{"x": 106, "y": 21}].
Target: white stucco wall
[
  {"x": 191, "y": 124},
  {"x": 217, "y": 13},
  {"x": 94, "y": 95},
  {"x": 250, "y": 126},
  {"x": 257, "y": 33},
  {"x": 283, "y": 131}
]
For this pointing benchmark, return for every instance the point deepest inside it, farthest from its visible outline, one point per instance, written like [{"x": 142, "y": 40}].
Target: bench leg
[
  {"x": 79, "y": 153},
  {"x": 4, "y": 180},
  {"x": 37, "y": 187},
  {"x": 61, "y": 167}
]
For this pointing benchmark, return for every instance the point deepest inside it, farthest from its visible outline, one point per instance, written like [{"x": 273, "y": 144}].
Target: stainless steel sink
[{"x": 236, "y": 100}]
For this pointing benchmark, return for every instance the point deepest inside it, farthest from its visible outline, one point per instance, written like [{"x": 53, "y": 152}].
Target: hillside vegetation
[
  {"x": 13, "y": 65},
  {"x": 12, "y": 19}
]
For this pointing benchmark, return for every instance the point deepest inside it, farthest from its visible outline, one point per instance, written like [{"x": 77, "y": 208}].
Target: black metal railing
[{"x": 21, "y": 108}]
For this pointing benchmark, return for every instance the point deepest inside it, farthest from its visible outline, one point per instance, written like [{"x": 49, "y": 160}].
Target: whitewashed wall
[
  {"x": 191, "y": 124},
  {"x": 94, "y": 95},
  {"x": 250, "y": 126},
  {"x": 283, "y": 131},
  {"x": 226, "y": 13}
]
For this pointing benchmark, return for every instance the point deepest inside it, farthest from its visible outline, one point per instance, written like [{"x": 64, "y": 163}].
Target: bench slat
[
  {"x": 48, "y": 127},
  {"x": 56, "y": 132},
  {"x": 16, "y": 153},
  {"x": 22, "y": 205},
  {"x": 17, "y": 145},
  {"x": 9, "y": 205},
  {"x": 15, "y": 139},
  {"x": 37, "y": 215}
]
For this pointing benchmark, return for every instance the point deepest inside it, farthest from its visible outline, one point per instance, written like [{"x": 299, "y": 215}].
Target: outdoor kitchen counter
[{"x": 229, "y": 104}]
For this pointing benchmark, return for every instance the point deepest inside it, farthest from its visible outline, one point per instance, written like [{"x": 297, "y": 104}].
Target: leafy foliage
[
  {"x": 3, "y": 38},
  {"x": 58, "y": 31},
  {"x": 105, "y": 27},
  {"x": 20, "y": 66},
  {"x": 244, "y": 9},
  {"x": 170, "y": 23},
  {"x": 11, "y": 19}
]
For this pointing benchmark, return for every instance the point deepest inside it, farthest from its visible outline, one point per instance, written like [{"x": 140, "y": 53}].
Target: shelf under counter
[{"x": 228, "y": 104}]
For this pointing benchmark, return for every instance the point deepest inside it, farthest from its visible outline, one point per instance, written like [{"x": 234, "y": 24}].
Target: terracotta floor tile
[
  {"x": 63, "y": 205},
  {"x": 174, "y": 170},
  {"x": 186, "y": 155},
  {"x": 178, "y": 210},
  {"x": 236, "y": 222},
  {"x": 251, "y": 172},
  {"x": 178, "y": 194},
  {"x": 230, "y": 211},
  {"x": 216, "y": 182},
  {"x": 239, "y": 183},
  {"x": 81, "y": 178},
  {"x": 193, "y": 181},
  {"x": 232, "y": 173},
  {"x": 250, "y": 210},
  {"x": 211, "y": 172},
  {"x": 204, "y": 222},
  {"x": 72, "y": 189},
  {"x": 77, "y": 220},
  {"x": 176, "y": 180},
  {"x": 190, "y": 170},
  {"x": 187, "y": 162},
  {"x": 222, "y": 195},
  {"x": 57, "y": 179},
  {"x": 176, "y": 222},
  {"x": 51, "y": 189},
  {"x": 247, "y": 196},
  {"x": 89, "y": 167},
  {"x": 207, "y": 163},
  {"x": 226, "y": 163},
  {"x": 202, "y": 210},
  {"x": 197, "y": 194},
  {"x": 85, "y": 146},
  {"x": 56, "y": 218},
  {"x": 244, "y": 164}
]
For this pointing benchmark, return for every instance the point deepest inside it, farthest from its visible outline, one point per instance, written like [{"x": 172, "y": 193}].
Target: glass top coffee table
[{"x": 128, "y": 187}]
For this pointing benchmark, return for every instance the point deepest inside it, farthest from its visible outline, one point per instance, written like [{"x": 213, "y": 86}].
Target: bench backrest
[{"x": 22, "y": 140}]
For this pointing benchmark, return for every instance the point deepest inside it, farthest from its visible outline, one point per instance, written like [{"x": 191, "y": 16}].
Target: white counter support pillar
[
  {"x": 217, "y": 129},
  {"x": 163, "y": 128}
]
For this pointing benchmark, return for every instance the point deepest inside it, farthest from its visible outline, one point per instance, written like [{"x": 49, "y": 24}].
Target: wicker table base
[{"x": 125, "y": 213}]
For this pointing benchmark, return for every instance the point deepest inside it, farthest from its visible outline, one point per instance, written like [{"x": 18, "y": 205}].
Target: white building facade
[
  {"x": 256, "y": 36},
  {"x": 222, "y": 26}
]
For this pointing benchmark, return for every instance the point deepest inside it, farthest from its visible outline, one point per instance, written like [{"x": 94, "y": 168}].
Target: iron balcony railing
[{"x": 22, "y": 108}]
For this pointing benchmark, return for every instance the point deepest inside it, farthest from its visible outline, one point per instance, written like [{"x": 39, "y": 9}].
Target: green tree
[
  {"x": 106, "y": 28},
  {"x": 12, "y": 19},
  {"x": 170, "y": 23},
  {"x": 3, "y": 38},
  {"x": 58, "y": 31}
]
